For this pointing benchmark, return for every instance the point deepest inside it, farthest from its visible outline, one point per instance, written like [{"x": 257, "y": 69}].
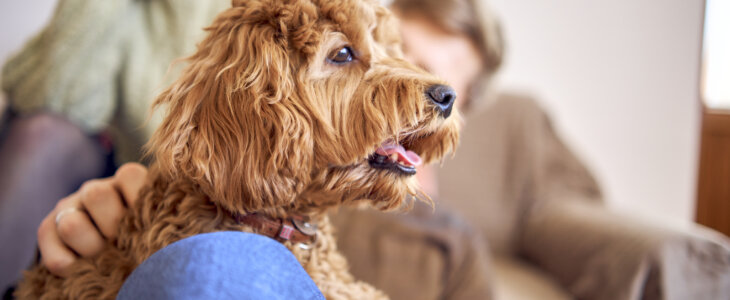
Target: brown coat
[{"x": 520, "y": 188}]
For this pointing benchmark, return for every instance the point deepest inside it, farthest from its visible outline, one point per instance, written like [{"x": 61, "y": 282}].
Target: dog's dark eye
[{"x": 341, "y": 56}]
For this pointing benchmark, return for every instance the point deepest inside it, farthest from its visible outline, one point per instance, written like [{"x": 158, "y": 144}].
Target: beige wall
[
  {"x": 620, "y": 79},
  {"x": 19, "y": 20}
]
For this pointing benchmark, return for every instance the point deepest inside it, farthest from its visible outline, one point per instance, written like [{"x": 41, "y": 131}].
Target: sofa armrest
[{"x": 599, "y": 254}]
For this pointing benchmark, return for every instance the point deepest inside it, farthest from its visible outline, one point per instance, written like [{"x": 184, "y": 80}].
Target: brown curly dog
[{"x": 287, "y": 110}]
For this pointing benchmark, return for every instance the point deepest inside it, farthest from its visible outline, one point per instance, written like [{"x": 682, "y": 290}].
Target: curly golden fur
[{"x": 261, "y": 121}]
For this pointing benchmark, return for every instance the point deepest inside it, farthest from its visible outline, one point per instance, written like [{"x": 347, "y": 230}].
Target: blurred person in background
[{"x": 78, "y": 94}]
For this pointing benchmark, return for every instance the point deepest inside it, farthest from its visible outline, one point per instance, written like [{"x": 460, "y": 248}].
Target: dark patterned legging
[{"x": 43, "y": 158}]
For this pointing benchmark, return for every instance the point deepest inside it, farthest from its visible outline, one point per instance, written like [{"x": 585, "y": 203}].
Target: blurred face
[{"x": 453, "y": 57}]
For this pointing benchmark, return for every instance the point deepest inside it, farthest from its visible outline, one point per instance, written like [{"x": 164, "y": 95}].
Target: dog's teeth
[{"x": 393, "y": 157}]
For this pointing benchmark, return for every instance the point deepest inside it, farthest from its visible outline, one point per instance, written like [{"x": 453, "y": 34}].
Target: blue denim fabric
[{"x": 221, "y": 265}]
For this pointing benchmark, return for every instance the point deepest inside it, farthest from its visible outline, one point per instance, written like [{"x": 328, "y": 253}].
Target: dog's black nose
[{"x": 443, "y": 96}]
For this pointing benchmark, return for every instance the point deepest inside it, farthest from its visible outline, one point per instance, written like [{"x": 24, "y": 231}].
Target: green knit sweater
[{"x": 101, "y": 63}]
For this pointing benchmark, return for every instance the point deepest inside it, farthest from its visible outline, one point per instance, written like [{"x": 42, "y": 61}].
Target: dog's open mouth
[{"x": 394, "y": 157}]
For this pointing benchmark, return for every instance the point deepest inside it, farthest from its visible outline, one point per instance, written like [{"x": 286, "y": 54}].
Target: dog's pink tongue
[{"x": 404, "y": 156}]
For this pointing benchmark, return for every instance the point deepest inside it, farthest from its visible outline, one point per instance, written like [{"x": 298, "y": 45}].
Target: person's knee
[
  {"x": 38, "y": 128},
  {"x": 221, "y": 265},
  {"x": 45, "y": 133}
]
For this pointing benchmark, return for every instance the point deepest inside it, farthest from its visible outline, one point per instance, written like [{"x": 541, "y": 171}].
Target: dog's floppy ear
[{"x": 234, "y": 126}]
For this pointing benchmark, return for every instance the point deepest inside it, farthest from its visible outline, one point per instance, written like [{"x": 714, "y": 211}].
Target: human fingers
[
  {"x": 55, "y": 255},
  {"x": 76, "y": 231},
  {"x": 104, "y": 205},
  {"x": 129, "y": 179}
]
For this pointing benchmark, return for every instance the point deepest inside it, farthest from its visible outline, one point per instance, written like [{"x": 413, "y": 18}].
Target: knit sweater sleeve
[{"x": 72, "y": 66}]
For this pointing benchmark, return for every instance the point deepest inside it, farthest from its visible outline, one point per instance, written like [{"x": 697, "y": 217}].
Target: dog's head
[{"x": 295, "y": 106}]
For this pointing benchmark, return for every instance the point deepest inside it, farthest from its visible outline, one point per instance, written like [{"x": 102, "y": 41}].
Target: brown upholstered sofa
[{"x": 519, "y": 217}]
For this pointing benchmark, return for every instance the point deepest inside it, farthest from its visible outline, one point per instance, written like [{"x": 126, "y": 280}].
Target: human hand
[{"x": 80, "y": 224}]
